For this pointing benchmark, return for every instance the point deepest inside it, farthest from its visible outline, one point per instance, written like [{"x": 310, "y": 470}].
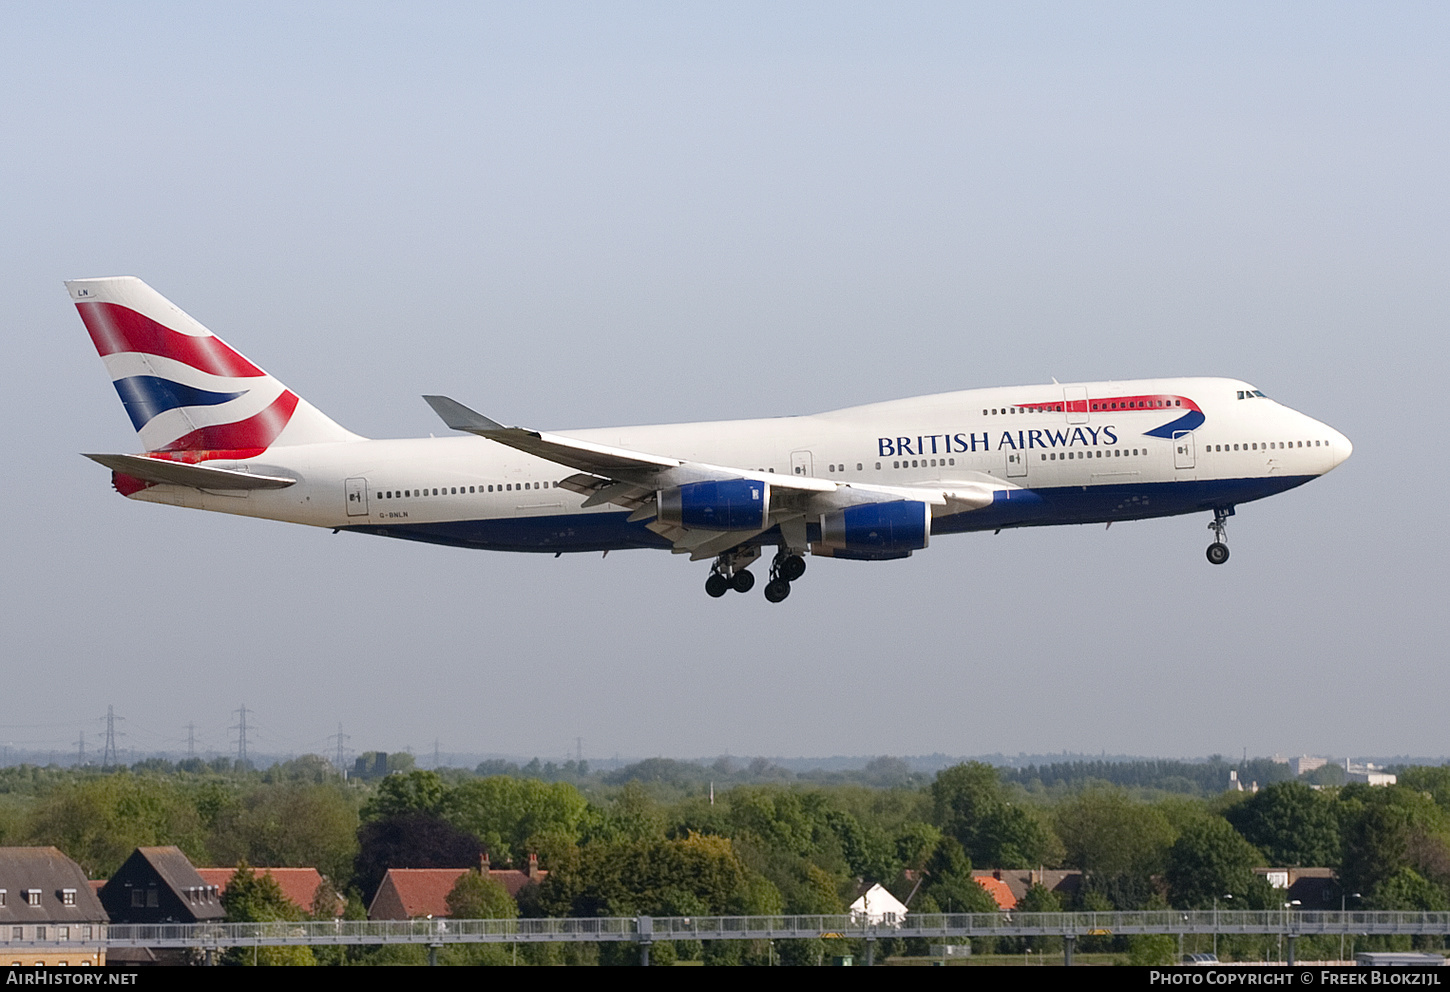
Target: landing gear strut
[
  {"x": 784, "y": 569},
  {"x": 729, "y": 572},
  {"x": 1217, "y": 552}
]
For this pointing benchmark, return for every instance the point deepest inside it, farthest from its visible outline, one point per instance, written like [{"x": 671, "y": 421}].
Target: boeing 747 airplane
[{"x": 866, "y": 483}]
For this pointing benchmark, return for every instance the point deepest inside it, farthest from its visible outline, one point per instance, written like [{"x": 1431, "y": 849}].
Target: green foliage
[
  {"x": 402, "y": 793},
  {"x": 1406, "y": 889},
  {"x": 99, "y": 821},
  {"x": 1387, "y": 829},
  {"x": 1119, "y": 844},
  {"x": 949, "y": 886},
  {"x": 477, "y": 897},
  {"x": 1291, "y": 824},
  {"x": 1210, "y": 860},
  {"x": 289, "y": 825},
  {"x": 257, "y": 898},
  {"x": 253, "y": 897},
  {"x": 515, "y": 817},
  {"x": 1151, "y": 949},
  {"x": 630, "y": 877},
  {"x": 1433, "y": 780},
  {"x": 968, "y": 803}
]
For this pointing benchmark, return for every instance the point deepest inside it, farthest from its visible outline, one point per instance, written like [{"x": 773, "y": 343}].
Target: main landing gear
[
  {"x": 1217, "y": 552},
  {"x": 729, "y": 572},
  {"x": 785, "y": 569}
]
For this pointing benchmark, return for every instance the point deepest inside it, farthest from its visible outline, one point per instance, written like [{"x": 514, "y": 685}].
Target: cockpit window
[{"x": 1249, "y": 394}]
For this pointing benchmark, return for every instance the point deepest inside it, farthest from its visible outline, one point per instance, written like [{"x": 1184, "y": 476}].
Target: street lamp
[
  {"x": 1229, "y": 896},
  {"x": 1342, "y": 922}
]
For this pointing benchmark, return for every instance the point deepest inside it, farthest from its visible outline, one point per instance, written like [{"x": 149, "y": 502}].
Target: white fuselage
[{"x": 1084, "y": 452}]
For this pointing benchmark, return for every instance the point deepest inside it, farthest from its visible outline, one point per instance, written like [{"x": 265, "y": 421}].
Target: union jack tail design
[{"x": 185, "y": 389}]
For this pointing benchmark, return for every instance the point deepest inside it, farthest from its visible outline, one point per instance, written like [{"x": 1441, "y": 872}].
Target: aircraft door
[
  {"x": 801, "y": 463},
  {"x": 1183, "y": 449},
  {"x": 1016, "y": 464},
  {"x": 357, "y": 497},
  {"x": 1075, "y": 403}
]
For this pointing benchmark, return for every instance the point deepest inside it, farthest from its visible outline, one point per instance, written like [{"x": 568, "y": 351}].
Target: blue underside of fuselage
[{"x": 1012, "y": 508}]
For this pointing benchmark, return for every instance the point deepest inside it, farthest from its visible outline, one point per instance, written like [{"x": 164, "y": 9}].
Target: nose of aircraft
[{"x": 1339, "y": 448}]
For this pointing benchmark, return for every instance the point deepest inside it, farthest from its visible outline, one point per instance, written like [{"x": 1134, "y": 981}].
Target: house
[
  {"x": 299, "y": 885},
  {"x": 159, "y": 885},
  {"x": 1007, "y": 886},
  {"x": 1310, "y": 888},
  {"x": 44, "y": 895},
  {"x": 874, "y": 905},
  {"x": 410, "y": 893}
]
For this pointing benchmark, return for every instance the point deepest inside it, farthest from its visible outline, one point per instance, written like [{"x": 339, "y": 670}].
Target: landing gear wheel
[
  {"x": 717, "y": 585},
  {"x": 742, "y": 581},
  {"x": 776, "y": 590},
  {"x": 1218, "y": 551},
  {"x": 792, "y": 568}
]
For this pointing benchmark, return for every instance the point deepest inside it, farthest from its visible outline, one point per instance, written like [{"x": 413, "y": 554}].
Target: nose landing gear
[{"x": 1217, "y": 552}]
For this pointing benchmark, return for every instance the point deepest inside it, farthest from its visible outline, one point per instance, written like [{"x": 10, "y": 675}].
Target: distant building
[
  {"x": 44, "y": 895},
  {"x": 411, "y": 893},
  {"x": 1368, "y": 773},
  {"x": 1305, "y": 764}
]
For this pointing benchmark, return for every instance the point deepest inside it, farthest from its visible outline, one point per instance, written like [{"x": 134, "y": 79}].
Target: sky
[{"x": 580, "y": 215}]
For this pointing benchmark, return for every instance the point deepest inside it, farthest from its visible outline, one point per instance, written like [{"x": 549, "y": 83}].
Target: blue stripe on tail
[{"x": 146, "y": 396}]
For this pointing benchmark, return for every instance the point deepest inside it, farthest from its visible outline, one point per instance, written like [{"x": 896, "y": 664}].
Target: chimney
[
  {"x": 483, "y": 864},
  {"x": 533, "y": 866}
]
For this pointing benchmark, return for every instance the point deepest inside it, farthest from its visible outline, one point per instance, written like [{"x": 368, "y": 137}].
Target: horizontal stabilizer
[{"x": 182, "y": 474}]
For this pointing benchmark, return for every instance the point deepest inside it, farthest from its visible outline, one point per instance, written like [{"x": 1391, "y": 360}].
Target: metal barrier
[{"x": 645, "y": 929}]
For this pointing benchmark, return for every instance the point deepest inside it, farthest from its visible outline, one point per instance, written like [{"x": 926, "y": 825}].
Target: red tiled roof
[
  {"x": 998, "y": 890},
  {"x": 408, "y": 893},
  {"x": 298, "y": 884}
]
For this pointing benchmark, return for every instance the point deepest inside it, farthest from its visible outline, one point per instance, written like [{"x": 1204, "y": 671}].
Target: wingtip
[{"x": 459, "y": 417}]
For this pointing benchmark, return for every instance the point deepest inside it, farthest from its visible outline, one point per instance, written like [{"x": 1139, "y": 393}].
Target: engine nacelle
[
  {"x": 732, "y": 504},
  {"x": 875, "y": 531}
]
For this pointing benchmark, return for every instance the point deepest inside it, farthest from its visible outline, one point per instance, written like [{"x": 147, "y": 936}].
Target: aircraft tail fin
[{"x": 184, "y": 388}]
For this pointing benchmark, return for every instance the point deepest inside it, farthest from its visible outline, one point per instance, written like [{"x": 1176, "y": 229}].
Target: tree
[
  {"x": 411, "y": 840},
  {"x": 949, "y": 885},
  {"x": 411, "y": 792},
  {"x": 968, "y": 803},
  {"x": 289, "y": 825},
  {"x": 1292, "y": 824},
  {"x": 1119, "y": 844},
  {"x": 514, "y": 817},
  {"x": 254, "y": 898},
  {"x": 1210, "y": 860},
  {"x": 99, "y": 822},
  {"x": 475, "y": 896}
]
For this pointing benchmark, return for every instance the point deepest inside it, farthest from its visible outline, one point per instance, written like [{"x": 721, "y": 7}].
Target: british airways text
[{"x": 945, "y": 444}]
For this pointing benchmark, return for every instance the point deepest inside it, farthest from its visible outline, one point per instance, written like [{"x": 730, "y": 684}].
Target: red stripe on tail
[{"x": 115, "y": 328}]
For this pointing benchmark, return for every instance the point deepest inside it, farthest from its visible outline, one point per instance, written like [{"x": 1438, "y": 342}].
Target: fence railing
[{"x": 646, "y": 929}]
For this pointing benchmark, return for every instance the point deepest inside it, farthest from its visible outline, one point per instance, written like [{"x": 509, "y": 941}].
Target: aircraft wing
[{"x": 632, "y": 479}]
